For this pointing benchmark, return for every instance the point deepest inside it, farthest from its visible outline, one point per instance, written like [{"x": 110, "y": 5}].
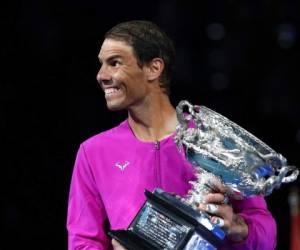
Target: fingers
[
  {"x": 218, "y": 221},
  {"x": 222, "y": 215},
  {"x": 212, "y": 208},
  {"x": 215, "y": 211},
  {"x": 217, "y": 185},
  {"x": 217, "y": 198},
  {"x": 220, "y": 212}
]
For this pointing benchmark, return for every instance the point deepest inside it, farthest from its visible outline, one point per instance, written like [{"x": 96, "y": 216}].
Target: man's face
[{"x": 122, "y": 80}]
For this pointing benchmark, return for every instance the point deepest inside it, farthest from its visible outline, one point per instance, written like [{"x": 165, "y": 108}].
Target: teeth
[{"x": 110, "y": 91}]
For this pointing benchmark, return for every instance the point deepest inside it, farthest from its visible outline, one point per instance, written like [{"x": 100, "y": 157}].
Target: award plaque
[{"x": 222, "y": 153}]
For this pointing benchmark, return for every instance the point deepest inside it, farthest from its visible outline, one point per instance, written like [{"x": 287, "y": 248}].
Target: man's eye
[{"x": 115, "y": 63}]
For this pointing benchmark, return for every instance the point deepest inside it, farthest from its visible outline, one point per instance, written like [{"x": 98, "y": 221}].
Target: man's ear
[{"x": 155, "y": 69}]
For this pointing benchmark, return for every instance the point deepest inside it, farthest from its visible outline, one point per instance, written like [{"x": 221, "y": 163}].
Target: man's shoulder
[{"x": 107, "y": 137}]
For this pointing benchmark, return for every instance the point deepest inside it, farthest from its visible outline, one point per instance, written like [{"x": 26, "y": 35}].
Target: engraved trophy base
[{"x": 165, "y": 222}]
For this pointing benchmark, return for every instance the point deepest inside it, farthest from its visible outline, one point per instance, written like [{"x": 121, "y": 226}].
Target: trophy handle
[
  {"x": 275, "y": 181},
  {"x": 293, "y": 176},
  {"x": 266, "y": 185},
  {"x": 183, "y": 118}
]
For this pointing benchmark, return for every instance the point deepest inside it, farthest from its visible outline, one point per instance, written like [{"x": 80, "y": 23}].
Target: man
[{"x": 113, "y": 168}]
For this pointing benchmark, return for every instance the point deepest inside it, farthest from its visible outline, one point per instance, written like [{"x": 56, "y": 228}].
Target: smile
[{"x": 111, "y": 91}]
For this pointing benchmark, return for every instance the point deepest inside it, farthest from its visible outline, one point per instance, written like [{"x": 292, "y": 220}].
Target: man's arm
[{"x": 87, "y": 218}]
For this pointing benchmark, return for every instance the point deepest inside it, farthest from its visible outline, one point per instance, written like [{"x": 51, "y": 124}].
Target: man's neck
[{"x": 154, "y": 120}]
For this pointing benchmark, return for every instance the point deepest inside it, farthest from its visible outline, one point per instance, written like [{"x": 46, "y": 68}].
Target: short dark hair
[{"x": 148, "y": 41}]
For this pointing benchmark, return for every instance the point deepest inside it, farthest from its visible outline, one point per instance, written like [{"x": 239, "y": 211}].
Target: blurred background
[{"x": 237, "y": 57}]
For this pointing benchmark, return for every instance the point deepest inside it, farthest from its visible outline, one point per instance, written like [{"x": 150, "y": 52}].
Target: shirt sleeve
[
  {"x": 261, "y": 225},
  {"x": 87, "y": 219}
]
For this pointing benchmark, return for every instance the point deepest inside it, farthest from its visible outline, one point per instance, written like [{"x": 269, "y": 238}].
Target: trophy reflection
[{"x": 222, "y": 153}]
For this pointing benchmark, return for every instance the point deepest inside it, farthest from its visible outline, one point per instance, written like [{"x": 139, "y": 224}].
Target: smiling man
[{"x": 113, "y": 168}]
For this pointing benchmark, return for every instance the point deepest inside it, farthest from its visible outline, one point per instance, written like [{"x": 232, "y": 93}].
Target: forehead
[{"x": 112, "y": 47}]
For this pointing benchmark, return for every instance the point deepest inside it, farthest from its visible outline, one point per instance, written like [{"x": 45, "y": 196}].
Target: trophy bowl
[
  {"x": 218, "y": 147},
  {"x": 222, "y": 153}
]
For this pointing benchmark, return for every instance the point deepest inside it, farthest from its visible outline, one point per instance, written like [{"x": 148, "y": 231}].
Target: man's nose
[{"x": 103, "y": 75}]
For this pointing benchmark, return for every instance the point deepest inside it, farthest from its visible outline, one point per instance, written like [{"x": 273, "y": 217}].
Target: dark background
[{"x": 239, "y": 58}]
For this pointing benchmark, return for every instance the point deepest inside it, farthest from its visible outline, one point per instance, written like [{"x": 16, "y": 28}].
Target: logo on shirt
[{"x": 122, "y": 165}]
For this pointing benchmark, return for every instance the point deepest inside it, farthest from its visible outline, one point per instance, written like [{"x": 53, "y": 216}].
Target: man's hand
[
  {"x": 116, "y": 245},
  {"x": 222, "y": 214}
]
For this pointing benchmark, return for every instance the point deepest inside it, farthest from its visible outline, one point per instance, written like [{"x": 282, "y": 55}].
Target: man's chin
[{"x": 114, "y": 107}]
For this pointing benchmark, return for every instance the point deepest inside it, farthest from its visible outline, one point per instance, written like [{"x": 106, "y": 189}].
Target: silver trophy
[{"x": 223, "y": 152}]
